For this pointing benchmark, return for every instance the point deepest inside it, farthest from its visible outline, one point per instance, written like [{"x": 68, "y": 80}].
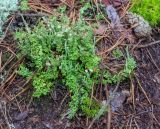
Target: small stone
[
  {"x": 142, "y": 28},
  {"x": 118, "y": 100}
]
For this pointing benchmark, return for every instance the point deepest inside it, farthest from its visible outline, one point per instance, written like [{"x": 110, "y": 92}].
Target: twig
[
  {"x": 119, "y": 41},
  {"x": 109, "y": 118},
  {"x": 150, "y": 44},
  {"x": 23, "y": 90},
  {"x": 152, "y": 60},
  {"x": 136, "y": 124},
  {"x": 104, "y": 107},
  {"x": 130, "y": 125},
  {"x": 0, "y": 61},
  {"x": 42, "y": 9},
  {"x": 2, "y": 45},
  {"x": 7, "y": 28},
  {"x": 59, "y": 108},
  {"x": 33, "y": 15},
  {"x": 132, "y": 91},
  {"x": 143, "y": 46},
  {"x": 139, "y": 84},
  {"x": 3, "y": 107},
  {"x": 7, "y": 62},
  {"x": 155, "y": 117}
]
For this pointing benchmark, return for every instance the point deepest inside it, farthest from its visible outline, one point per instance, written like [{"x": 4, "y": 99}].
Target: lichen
[{"x": 6, "y": 7}]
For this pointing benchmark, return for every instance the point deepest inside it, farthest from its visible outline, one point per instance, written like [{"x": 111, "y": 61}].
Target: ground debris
[
  {"x": 118, "y": 100},
  {"x": 22, "y": 115}
]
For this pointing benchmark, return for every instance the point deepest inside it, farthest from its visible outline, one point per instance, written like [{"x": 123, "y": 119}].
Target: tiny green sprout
[
  {"x": 100, "y": 16},
  {"x": 90, "y": 107},
  {"x": 130, "y": 65},
  {"x": 85, "y": 7},
  {"x": 23, "y": 71},
  {"x": 91, "y": 10},
  {"x": 24, "y": 5},
  {"x": 117, "y": 53},
  {"x": 62, "y": 9}
]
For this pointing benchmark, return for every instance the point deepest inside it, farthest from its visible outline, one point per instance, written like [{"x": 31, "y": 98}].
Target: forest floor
[{"x": 140, "y": 109}]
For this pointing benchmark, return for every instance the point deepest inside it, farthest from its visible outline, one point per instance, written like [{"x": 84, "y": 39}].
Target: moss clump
[{"x": 61, "y": 51}]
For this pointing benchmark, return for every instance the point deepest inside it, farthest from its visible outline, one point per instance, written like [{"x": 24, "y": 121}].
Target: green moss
[
  {"x": 24, "y": 5},
  {"x": 149, "y": 9},
  {"x": 90, "y": 107},
  {"x": 90, "y": 10},
  {"x": 117, "y": 53},
  {"x": 61, "y": 51}
]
